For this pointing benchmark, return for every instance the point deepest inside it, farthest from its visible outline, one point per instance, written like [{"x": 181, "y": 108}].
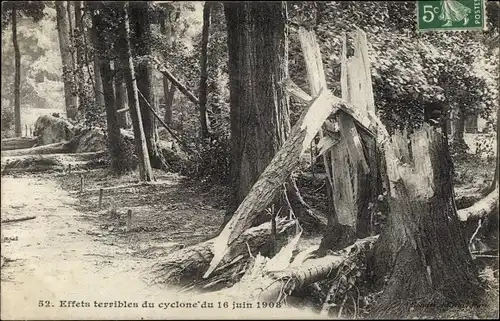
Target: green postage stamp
[{"x": 447, "y": 15}]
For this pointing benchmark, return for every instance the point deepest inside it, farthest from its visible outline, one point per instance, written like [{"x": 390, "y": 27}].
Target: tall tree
[
  {"x": 125, "y": 53},
  {"x": 67, "y": 60},
  {"x": 139, "y": 15},
  {"x": 102, "y": 25},
  {"x": 257, "y": 47},
  {"x": 17, "y": 77},
  {"x": 168, "y": 90},
  {"x": 80, "y": 52},
  {"x": 202, "y": 97},
  {"x": 97, "y": 81}
]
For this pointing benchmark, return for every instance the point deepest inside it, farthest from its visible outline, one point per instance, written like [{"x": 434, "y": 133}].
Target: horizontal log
[
  {"x": 18, "y": 143},
  {"x": 55, "y": 148},
  {"x": 263, "y": 285},
  {"x": 12, "y": 220}
]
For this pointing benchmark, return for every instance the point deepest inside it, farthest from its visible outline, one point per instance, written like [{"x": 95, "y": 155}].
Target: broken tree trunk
[
  {"x": 422, "y": 246},
  {"x": 263, "y": 283},
  {"x": 284, "y": 162},
  {"x": 482, "y": 208},
  {"x": 18, "y": 143},
  {"x": 187, "y": 265}
]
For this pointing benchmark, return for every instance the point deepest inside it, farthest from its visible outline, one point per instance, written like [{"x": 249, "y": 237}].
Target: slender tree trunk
[
  {"x": 67, "y": 60},
  {"x": 17, "y": 76},
  {"x": 115, "y": 143},
  {"x": 202, "y": 97},
  {"x": 98, "y": 90},
  {"x": 125, "y": 52},
  {"x": 139, "y": 13},
  {"x": 80, "y": 54},
  {"x": 459, "y": 130},
  {"x": 121, "y": 95},
  {"x": 71, "y": 26},
  {"x": 168, "y": 91}
]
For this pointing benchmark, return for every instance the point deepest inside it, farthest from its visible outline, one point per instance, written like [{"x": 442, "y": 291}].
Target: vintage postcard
[{"x": 249, "y": 160}]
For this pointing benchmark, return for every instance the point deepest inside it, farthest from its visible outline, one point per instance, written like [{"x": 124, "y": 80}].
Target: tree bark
[
  {"x": 67, "y": 60},
  {"x": 80, "y": 54},
  {"x": 119, "y": 159},
  {"x": 17, "y": 76},
  {"x": 121, "y": 95},
  {"x": 139, "y": 15},
  {"x": 259, "y": 107},
  {"x": 423, "y": 245},
  {"x": 125, "y": 53},
  {"x": 202, "y": 96}
]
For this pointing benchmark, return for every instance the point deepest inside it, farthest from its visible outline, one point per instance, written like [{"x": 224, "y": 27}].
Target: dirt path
[
  {"x": 52, "y": 259},
  {"x": 55, "y": 259}
]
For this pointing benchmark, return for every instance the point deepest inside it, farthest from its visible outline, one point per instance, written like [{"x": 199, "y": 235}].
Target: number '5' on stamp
[{"x": 451, "y": 15}]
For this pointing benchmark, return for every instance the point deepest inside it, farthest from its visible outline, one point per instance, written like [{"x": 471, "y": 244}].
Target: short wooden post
[
  {"x": 129, "y": 220},
  {"x": 26, "y": 130},
  {"x": 101, "y": 191},
  {"x": 81, "y": 182},
  {"x": 69, "y": 169},
  {"x": 31, "y": 131}
]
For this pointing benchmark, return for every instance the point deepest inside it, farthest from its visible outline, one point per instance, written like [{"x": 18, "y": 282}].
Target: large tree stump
[{"x": 422, "y": 245}]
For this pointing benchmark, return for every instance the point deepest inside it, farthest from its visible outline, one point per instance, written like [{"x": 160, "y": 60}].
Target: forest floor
[{"x": 75, "y": 250}]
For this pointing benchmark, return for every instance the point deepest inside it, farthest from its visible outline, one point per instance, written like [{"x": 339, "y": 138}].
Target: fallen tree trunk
[
  {"x": 18, "y": 143},
  {"x": 37, "y": 163},
  {"x": 187, "y": 265},
  {"x": 274, "y": 286},
  {"x": 480, "y": 209},
  {"x": 56, "y": 148}
]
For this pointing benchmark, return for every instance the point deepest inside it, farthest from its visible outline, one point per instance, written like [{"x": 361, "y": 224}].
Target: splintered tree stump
[{"x": 422, "y": 245}]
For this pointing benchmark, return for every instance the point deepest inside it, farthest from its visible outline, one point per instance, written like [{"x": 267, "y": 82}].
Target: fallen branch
[
  {"x": 12, "y": 220},
  {"x": 161, "y": 68},
  {"x": 480, "y": 209}
]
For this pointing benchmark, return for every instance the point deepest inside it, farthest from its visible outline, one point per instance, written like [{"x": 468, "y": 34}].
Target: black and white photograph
[{"x": 250, "y": 160}]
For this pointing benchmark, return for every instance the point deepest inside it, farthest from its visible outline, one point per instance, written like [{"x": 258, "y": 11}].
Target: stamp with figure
[{"x": 451, "y": 15}]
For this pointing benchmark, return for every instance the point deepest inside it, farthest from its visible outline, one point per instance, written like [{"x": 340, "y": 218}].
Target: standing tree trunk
[
  {"x": 168, "y": 91},
  {"x": 80, "y": 54},
  {"x": 257, "y": 68},
  {"x": 97, "y": 83},
  {"x": 139, "y": 14},
  {"x": 17, "y": 76},
  {"x": 204, "y": 72},
  {"x": 121, "y": 95},
  {"x": 260, "y": 119},
  {"x": 116, "y": 148},
  {"x": 125, "y": 52},
  {"x": 67, "y": 60},
  {"x": 459, "y": 144},
  {"x": 423, "y": 245}
]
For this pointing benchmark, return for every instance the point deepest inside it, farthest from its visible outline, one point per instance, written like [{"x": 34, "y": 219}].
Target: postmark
[{"x": 451, "y": 15}]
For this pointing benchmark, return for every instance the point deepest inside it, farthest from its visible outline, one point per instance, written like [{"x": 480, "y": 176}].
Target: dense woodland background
[{"x": 198, "y": 88}]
